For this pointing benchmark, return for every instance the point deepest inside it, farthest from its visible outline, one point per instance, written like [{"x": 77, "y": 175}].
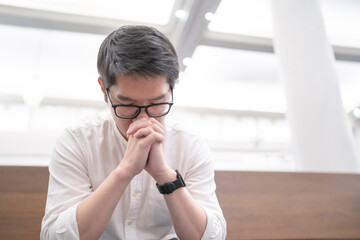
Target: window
[{"x": 231, "y": 83}]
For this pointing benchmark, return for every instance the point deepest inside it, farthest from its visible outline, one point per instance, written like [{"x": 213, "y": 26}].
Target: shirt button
[
  {"x": 135, "y": 194},
  {"x": 130, "y": 222}
]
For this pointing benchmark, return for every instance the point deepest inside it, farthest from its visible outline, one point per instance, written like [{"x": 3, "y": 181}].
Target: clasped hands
[{"x": 144, "y": 149}]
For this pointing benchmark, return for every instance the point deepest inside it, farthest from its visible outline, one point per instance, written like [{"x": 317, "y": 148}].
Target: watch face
[{"x": 180, "y": 178}]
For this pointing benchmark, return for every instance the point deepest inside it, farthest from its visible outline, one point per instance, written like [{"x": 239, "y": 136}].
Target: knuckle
[
  {"x": 142, "y": 144},
  {"x": 148, "y": 128}
]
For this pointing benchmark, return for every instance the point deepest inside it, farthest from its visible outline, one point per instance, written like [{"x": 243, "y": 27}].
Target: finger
[
  {"x": 157, "y": 137},
  {"x": 153, "y": 120},
  {"x": 136, "y": 126},
  {"x": 143, "y": 132},
  {"x": 142, "y": 121},
  {"x": 157, "y": 128},
  {"x": 151, "y": 138}
]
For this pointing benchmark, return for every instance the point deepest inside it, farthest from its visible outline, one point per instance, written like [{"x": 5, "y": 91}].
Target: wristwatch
[{"x": 170, "y": 187}]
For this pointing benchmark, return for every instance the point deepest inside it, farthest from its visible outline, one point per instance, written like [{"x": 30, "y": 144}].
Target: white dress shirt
[{"x": 85, "y": 155}]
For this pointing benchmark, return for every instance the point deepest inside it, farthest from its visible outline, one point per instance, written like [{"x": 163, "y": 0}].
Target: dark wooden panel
[
  {"x": 256, "y": 205},
  {"x": 22, "y": 201},
  {"x": 271, "y": 205},
  {"x": 23, "y": 179}
]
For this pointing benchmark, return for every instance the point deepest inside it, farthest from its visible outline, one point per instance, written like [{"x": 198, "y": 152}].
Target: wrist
[
  {"x": 122, "y": 174},
  {"x": 169, "y": 175},
  {"x": 172, "y": 186}
]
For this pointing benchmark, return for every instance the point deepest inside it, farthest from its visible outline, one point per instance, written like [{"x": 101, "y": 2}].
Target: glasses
[{"x": 129, "y": 111}]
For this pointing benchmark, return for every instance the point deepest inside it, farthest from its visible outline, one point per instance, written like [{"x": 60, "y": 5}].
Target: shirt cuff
[
  {"x": 66, "y": 224},
  {"x": 213, "y": 229}
]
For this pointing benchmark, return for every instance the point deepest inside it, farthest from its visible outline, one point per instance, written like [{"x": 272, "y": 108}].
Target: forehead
[{"x": 139, "y": 87}]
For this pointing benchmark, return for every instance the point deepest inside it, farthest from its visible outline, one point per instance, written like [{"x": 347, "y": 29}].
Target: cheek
[
  {"x": 161, "y": 120},
  {"x": 122, "y": 125}
]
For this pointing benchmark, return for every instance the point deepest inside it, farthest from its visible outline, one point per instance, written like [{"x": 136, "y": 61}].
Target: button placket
[{"x": 134, "y": 208}]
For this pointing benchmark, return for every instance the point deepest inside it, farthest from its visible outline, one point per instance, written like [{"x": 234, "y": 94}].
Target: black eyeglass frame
[{"x": 114, "y": 106}]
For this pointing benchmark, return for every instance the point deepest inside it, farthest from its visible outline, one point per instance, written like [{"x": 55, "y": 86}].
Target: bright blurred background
[{"x": 229, "y": 90}]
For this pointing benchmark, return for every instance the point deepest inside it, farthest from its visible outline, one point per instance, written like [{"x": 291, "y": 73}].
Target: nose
[{"x": 142, "y": 114}]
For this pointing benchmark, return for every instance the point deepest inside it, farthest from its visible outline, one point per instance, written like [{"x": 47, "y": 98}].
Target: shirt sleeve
[
  {"x": 68, "y": 185},
  {"x": 201, "y": 185}
]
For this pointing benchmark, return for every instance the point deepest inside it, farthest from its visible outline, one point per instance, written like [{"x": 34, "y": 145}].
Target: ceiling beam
[
  {"x": 236, "y": 41},
  {"x": 51, "y": 20},
  {"x": 251, "y": 43},
  {"x": 188, "y": 31}
]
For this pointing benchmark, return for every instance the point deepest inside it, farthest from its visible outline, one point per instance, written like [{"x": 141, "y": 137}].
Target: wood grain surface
[
  {"x": 22, "y": 201},
  {"x": 273, "y": 205},
  {"x": 256, "y": 205}
]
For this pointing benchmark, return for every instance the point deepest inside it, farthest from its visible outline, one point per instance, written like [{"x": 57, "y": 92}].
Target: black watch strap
[{"x": 170, "y": 187}]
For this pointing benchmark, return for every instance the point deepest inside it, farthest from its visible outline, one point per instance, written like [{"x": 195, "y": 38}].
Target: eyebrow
[{"x": 128, "y": 99}]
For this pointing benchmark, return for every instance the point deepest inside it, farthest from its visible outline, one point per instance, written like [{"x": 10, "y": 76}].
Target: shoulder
[
  {"x": 176, "y": 133},
  {"x": 175, "y": 129},
  {"x": 87, "y": 129},
  {"x": 80, "y": 137},
  {"x": 91, "y": 124},
  {"x": 191, "y": 152}
]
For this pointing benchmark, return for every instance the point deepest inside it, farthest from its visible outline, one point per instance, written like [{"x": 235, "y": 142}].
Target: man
[{"x": 131, "y": 175}]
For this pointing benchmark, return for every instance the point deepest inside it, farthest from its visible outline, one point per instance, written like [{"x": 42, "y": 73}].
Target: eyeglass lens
[{"x": 153, "y": 110}]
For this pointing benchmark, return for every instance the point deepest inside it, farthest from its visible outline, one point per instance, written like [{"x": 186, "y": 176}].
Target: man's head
[
  {"x": 137, "y": 66},
  {"x": 138, "y": 50}
]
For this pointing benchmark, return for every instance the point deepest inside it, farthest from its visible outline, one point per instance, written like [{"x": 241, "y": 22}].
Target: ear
[{"x": 102, "y": 89}]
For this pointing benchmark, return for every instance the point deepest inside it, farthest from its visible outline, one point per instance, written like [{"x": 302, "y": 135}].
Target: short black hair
[{"x": 137, "y": 49}]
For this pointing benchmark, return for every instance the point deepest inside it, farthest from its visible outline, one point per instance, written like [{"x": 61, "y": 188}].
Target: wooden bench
[
  {"x": 256, "y": 205},
  {"x": 22, "y": 201},
  {"x": 273, "y": 205}
]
